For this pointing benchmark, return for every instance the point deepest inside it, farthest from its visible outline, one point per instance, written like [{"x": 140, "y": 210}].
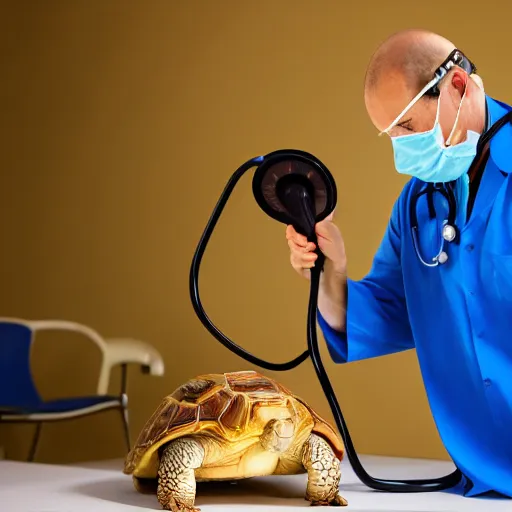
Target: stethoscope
[
  {"x": 308, "y": 189},
  {"x": 450, "y": 233}
]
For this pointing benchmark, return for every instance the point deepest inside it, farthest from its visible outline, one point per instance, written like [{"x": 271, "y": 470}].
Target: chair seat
[{"x": 82, "y": 404}]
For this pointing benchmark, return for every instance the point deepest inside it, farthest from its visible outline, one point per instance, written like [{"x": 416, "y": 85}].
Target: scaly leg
[
  {"x": 176, "y": 479},
  {"x": 324, "y": 473}
]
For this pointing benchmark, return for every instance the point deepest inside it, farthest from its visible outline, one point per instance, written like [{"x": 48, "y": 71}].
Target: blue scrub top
[{"x": 458, "y": 316}]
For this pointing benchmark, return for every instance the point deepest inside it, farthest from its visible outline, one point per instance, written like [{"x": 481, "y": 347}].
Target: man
[{"x": 456, "y": 309}]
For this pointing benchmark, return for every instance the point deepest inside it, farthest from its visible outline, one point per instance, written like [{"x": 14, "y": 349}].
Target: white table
[{"x": 101, "y": 487}]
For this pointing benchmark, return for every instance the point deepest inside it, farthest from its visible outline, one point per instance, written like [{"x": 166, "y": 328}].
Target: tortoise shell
[{"x": 225, "y": 406}]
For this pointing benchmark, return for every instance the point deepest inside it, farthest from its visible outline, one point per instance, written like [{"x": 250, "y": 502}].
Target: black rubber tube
[
  {"x": 194, "y": 278},
  {"x": 437, "y": 484},
  {"x": 400, "y": 486}
]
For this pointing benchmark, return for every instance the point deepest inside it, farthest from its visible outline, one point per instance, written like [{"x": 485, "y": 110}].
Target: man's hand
[
  {"x": 330, "y": 242},
  {"x": 332, "y": 292}
]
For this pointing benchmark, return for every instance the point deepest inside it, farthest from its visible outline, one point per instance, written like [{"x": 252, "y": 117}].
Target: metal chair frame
[{"x": 117, "y": 351}]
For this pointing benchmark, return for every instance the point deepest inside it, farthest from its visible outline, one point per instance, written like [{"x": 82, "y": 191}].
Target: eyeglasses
[{"x": 456, "y": 58}]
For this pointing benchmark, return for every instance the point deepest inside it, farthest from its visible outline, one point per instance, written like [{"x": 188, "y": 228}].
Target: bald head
[{"x": 411, "y": 56}]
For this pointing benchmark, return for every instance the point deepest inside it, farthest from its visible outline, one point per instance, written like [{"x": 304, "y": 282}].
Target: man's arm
[{"x": 367, "y": 318}]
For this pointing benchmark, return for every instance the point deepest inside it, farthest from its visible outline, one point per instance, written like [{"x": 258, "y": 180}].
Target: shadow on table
[{"x": 271, "y": 491}]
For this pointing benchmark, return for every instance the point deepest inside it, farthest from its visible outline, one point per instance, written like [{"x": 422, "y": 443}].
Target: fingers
[
  {"x": 302, "y": 256},
  {"x": 299, "y": 239},
  {"x": 301, "y": 259},
  {"x": 301, "y": 262},
  {"x": 323, "y": 229},
  {"x": 329, "y": 242},
  {"x": 308, "y": 260},
  {"x": 330, "y": 217},
  {"x": 309, "y": 247},
  {"x": 326, "y": 228}
]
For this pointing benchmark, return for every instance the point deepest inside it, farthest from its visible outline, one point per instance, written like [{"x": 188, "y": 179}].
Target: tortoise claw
[
  {"x": 174, "y": 506},
  {"x": 338, "y": 501}
]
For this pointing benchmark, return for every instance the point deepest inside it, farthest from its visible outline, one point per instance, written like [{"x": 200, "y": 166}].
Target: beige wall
[{"x": 121, "y": 123}]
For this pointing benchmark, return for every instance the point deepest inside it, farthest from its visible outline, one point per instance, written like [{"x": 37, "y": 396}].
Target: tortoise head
[{"x": 278, "y": 435}]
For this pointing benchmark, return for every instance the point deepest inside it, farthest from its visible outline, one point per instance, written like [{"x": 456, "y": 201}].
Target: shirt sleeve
[{"x": 377, "y": 321}]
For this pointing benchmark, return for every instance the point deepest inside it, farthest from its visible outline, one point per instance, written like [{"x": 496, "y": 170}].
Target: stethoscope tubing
[
  {"x": 402, "y": 486},
  {"x": 447, "y": 191},
  {"x": 447, "y": 235}
]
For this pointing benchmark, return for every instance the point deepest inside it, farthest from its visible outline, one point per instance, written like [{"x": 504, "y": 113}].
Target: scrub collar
[{"x": 500, "y": 143}]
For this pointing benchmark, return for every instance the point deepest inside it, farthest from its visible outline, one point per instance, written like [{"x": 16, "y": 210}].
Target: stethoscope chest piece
[{"x": 449, "y": 233}]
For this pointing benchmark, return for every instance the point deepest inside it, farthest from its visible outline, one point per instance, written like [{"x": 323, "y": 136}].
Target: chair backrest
[{"x": 17, "y": 388}]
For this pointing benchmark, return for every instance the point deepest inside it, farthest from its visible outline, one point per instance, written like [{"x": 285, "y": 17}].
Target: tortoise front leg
[
  {"x": 324, "y": 473},
  {"x": 176, "y": 478}
]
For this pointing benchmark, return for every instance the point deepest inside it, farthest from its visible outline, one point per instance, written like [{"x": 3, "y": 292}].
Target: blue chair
[{"x": 20, "y": 401}]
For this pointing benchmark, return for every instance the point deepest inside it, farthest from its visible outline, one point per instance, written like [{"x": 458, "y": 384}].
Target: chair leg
[
  {"x": 35, "y": 442},
  {"x": 124, "y": 405},
  {"x": 126, "y": 426}
]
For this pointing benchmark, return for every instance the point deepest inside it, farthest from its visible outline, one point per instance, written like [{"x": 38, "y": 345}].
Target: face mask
[{"x": 425, "y": 156}]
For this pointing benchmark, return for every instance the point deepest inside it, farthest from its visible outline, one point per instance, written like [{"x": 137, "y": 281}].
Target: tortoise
[{"x": 233, "y": 426}]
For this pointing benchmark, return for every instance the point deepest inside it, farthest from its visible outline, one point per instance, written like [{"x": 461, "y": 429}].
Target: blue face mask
[{"x": 425, "y": 156}]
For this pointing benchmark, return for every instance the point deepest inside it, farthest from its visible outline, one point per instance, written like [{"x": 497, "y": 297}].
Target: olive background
[{"x": 122, "y": 122}]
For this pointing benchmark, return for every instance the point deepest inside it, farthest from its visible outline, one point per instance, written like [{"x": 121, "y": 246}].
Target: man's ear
[{"x": 459, "y": 81}]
